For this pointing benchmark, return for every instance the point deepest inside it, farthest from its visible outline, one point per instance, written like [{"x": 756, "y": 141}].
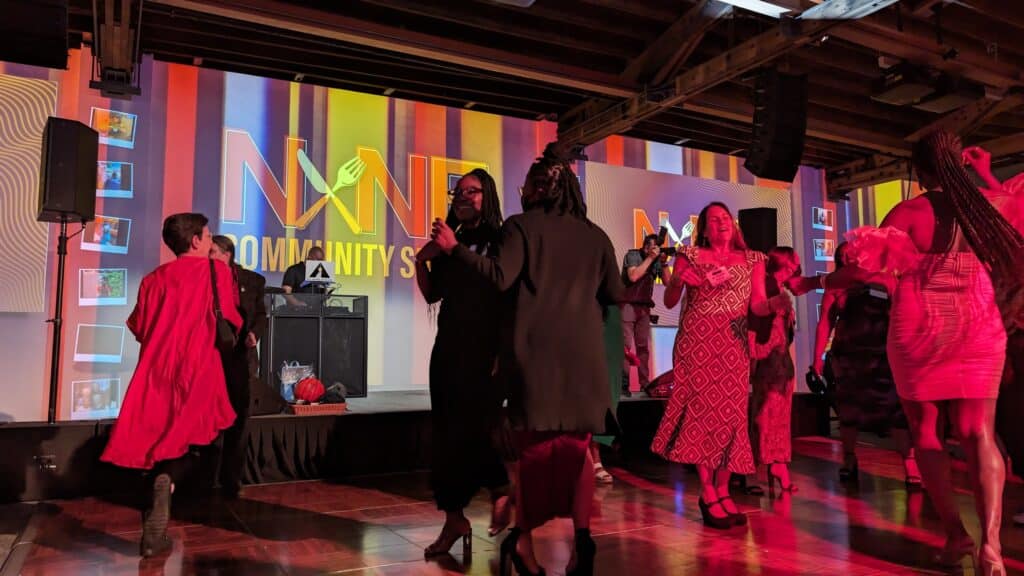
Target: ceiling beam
[
  {"x": 969, "y": 118},
  {"x": 297, "y": 18},
  {"x": 917, "y": 44},
  {"x": 668, "y": 52},
  {"x": 863, "y": 172},
  {"x": 753, "y": 53},
  {"x": 495, "y": 19},
  {"x": 924, "y": 8},
  {"x": 999, "y": 9},
  {"x": 1005, "y": 146}
]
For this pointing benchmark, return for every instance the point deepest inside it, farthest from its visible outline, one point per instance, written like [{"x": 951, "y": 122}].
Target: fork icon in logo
[{"x": 348, "y": 174}]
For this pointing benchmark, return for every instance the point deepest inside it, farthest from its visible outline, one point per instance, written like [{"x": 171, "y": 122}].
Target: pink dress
[{"x": 946, "y": 335}]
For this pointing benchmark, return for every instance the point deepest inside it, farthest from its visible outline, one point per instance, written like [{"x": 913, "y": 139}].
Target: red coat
[{"x": 177, "y": 396}]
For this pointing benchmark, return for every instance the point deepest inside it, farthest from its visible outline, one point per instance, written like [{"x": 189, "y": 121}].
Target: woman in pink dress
[
  {"x": 954, "y": 260},
  {"x": 705, "y": 422}
]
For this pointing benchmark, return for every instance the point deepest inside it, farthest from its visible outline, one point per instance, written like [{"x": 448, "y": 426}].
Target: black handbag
[{"x": 225, "y": 337}]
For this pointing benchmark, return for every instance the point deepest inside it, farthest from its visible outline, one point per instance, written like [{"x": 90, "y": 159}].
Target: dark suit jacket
[
  {"x": 561, "y": 271},
  {"x": 254, "y": 310}
]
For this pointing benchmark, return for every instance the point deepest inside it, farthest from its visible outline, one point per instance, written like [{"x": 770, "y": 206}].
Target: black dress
[
  {"x": 865, "y": 392},
  {"x": 464, "y": 396}
]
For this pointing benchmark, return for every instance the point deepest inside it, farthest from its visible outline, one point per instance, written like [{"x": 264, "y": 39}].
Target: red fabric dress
[
  {"x": 705, "y": 421},
  {"x": 177, "y": 396}
]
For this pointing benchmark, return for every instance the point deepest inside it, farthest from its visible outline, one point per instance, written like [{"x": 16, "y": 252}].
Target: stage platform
[
  {"x": 647, "y": 522},
  {"x": 384, "y": 433}
]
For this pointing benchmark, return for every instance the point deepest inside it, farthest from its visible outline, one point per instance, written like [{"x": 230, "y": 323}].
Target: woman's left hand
[{"x": 443, "y": 236}]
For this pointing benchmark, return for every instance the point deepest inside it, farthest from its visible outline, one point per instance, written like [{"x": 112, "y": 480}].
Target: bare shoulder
[{"x": 904, "y": 214}]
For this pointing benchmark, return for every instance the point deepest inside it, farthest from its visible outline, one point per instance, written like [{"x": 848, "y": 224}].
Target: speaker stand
[{"x": 58, "y": 318}]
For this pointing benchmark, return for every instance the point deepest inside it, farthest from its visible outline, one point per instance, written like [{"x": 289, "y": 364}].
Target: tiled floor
[{"x": 647, "y": 523}]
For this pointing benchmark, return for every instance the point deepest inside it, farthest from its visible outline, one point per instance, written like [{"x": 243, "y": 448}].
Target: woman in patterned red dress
[{"x": 705, "y": 422}]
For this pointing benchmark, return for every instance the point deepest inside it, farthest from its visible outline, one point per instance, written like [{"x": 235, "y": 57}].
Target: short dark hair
[
  {"x": 650, "y": 238},
  {"x": 309, "y": 253},
  {"x": 225, "y": 244},
  {"x": 180, "y": 229}
]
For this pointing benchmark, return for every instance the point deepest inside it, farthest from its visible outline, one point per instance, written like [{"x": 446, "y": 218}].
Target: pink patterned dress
[
  {"x": 946, "y": 335},
  {"x": 705, "y": 421},
  {"x": 773, "y": 383}
]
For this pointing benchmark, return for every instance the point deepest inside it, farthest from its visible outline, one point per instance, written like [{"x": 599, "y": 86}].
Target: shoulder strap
[{"x": 213, "y": 285}]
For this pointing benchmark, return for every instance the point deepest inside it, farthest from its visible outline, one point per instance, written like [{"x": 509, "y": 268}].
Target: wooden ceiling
[{"x": 569, "y": 60}]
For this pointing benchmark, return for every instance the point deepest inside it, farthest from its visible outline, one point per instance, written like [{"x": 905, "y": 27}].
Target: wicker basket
[{"x": 317, "y": 409}]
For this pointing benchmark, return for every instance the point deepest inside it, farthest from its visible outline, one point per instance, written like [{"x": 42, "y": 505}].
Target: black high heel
[
  {"x": 508, "y": 551},
  {"x": 712, "y": 521},
  {"x": 771, "y": 484},
  {"x": 737, "y": 518},
  {"x": 444, "y": 543},
  {"x": 585, "y": 551}
]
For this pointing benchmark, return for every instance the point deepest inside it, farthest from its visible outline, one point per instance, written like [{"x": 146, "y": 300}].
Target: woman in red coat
[{"x": 177, "y": 396}]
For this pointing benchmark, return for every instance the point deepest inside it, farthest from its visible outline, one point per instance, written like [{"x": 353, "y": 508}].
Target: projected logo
[
  {"x": 352, "y": 193},
  {"x": 676, "y": 236}
]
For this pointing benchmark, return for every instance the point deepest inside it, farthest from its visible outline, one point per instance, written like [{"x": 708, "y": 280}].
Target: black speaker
[
  {"x": 334, "y": 345},
  {"x": 34, "y": 32},
  {"x": 780, "y": 121},
  {"x": 67, "y": 172},
  {"x": 760, "y": 228},
  {"x": 263, "y": 399}
]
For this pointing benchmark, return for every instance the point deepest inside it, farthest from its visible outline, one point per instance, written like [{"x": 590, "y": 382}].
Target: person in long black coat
[
  {"x": 561, "y": 270},
  {"x": 465, "y": 399},
  {"x": 241, "y": 366}
]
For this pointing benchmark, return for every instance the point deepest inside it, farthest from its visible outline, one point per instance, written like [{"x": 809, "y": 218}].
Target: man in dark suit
[{"x": 242, "y": 366}]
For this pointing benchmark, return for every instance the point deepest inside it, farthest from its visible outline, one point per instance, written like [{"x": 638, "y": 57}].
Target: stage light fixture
[
  {"x": 759, "y": 6},
  {"x": 116, "y": 56}
]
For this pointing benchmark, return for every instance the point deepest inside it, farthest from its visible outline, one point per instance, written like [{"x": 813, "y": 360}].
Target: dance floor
[{"x": 647, "y": 523}]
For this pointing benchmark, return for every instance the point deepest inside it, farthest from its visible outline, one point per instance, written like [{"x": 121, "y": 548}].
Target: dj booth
[{"x": 326, "y": 331}]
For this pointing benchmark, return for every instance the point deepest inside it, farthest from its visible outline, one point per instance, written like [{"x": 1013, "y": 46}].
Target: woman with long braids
[
  {"x": 956, "y": 260},
  {"x": 561, "y": 270},
  {"x": 465, "y": 399}
]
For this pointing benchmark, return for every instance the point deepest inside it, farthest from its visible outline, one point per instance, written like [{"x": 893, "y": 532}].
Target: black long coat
[{"x": 561, "y": 270}]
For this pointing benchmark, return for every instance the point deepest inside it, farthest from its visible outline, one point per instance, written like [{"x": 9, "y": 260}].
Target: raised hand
[{"x": 443, "y": 236}]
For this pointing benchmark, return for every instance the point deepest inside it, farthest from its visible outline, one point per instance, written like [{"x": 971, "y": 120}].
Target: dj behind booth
[{"x": 314, "y": 330}]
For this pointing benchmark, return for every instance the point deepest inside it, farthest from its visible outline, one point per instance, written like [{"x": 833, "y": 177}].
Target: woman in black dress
[
  {"x": 561, "y": 272},
  {"x": 464, "y": 397},
  {"x": 862, "y": 383}
]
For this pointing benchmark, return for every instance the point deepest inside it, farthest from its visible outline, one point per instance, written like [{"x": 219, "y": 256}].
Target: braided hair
[
  {"x": 557, "y": 187},
  {"x": 998, "y": 245}
]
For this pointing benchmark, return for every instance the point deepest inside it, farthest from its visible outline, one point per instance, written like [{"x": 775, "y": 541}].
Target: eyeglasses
[{"x": 456, "y": 192}]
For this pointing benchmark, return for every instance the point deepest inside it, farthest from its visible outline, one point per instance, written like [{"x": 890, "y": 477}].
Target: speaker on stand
[
  {"x": 760, "y": 228},
  {"x": 67, "y": 193},
  {"x": 780, "y": 122}
]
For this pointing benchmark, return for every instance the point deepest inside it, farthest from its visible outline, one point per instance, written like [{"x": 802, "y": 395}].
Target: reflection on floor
[{"x": 647, "y": 523}]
